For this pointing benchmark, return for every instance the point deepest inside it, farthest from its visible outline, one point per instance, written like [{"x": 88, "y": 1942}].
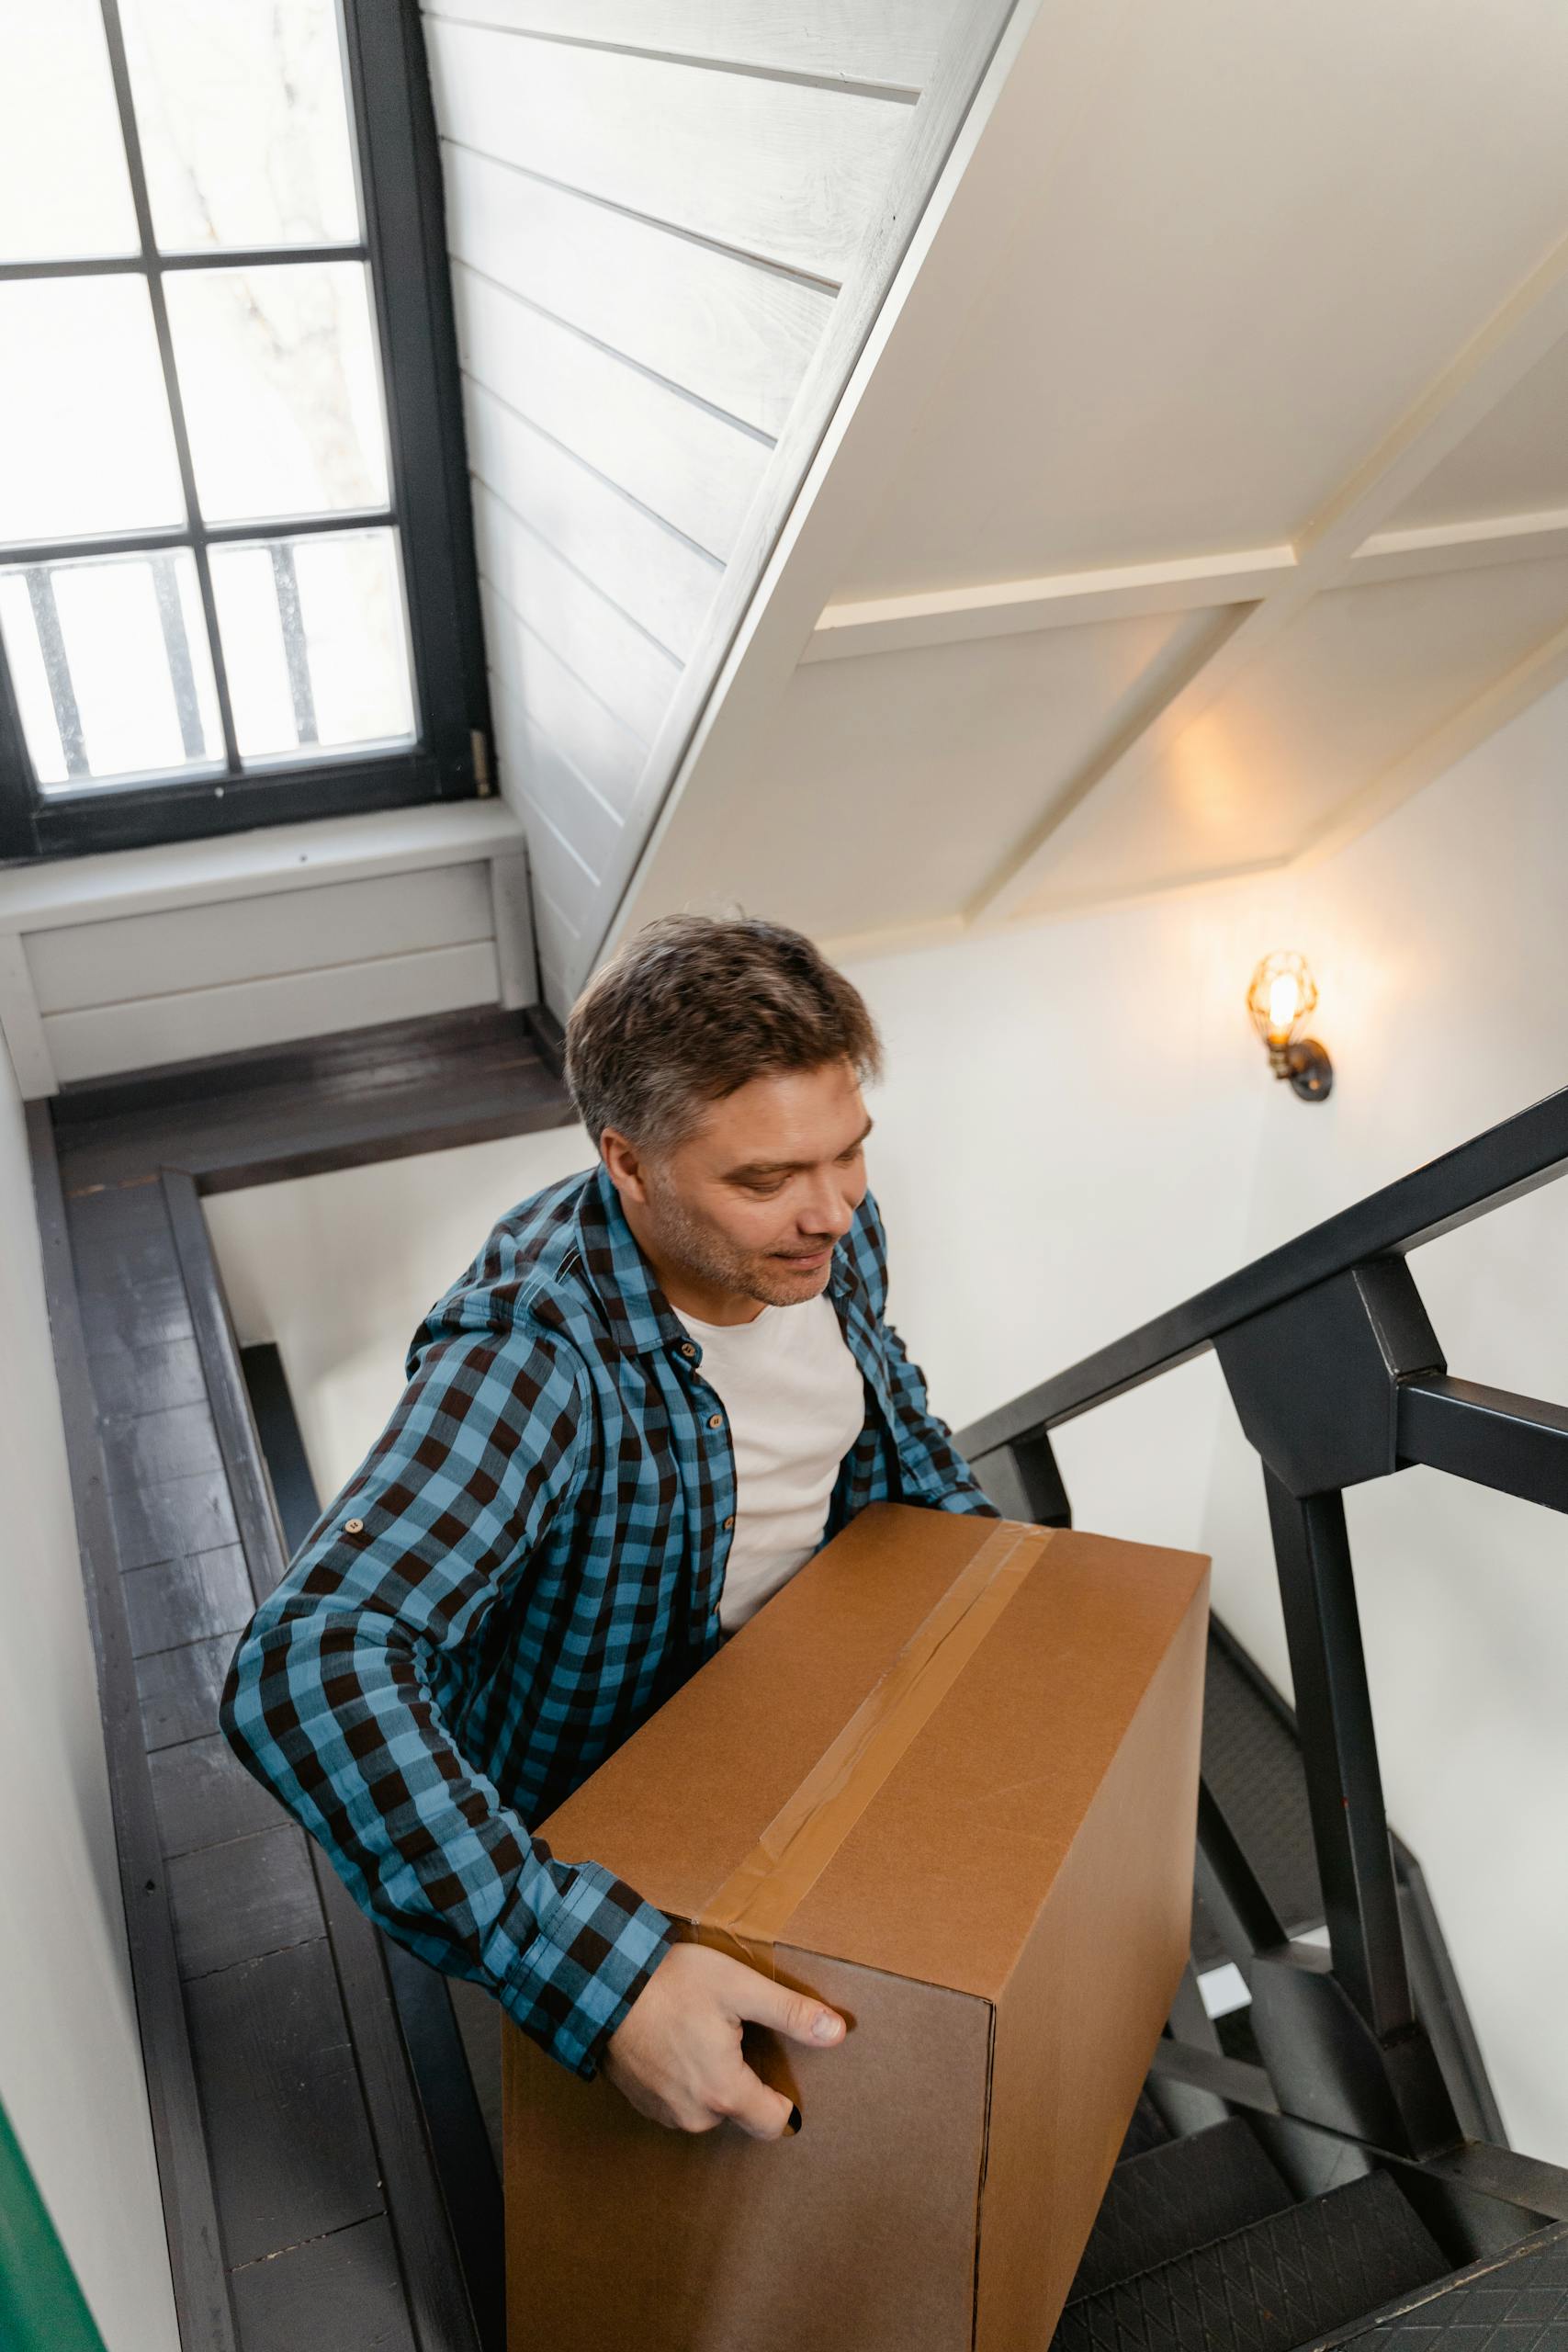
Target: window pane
[
  {"x": 86, "y": 444},
  {"x": 244, "y": 128},
  {"x": 315, "y": 643},
  {"x": 63, "y": 191},
  {"x": 281, "y": 390},
  {"x": 111, "y": 664}
]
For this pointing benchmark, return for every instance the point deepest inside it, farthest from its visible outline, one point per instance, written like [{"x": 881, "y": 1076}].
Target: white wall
[
  {"x": 1065, "y": 1135},
  {"x": 70, "y": 2059}
]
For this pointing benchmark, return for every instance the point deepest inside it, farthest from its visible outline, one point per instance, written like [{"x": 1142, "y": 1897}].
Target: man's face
[{"x": 753, "y": 1202}]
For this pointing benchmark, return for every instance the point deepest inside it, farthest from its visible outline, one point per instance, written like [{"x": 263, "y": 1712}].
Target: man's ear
[{"x": 624, "y": 1166}]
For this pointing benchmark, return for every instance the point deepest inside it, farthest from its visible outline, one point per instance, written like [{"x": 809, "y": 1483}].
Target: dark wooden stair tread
[{"x": 1271, "y": 2286}]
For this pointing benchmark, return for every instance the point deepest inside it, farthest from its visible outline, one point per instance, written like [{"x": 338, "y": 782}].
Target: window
[{"x": 236, "y": 568}]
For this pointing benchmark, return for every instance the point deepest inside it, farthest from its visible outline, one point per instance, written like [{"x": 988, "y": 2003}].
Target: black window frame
[{"x": 397, "y": 164}]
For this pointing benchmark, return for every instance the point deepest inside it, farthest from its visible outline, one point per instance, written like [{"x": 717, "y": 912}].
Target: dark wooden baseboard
[
  {"x": 465, "y": 2166},
  {"x": 201, "y": 2297}
]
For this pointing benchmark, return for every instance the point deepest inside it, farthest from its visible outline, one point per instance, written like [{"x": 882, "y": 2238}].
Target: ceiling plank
[{"x": 896, "y": 49}]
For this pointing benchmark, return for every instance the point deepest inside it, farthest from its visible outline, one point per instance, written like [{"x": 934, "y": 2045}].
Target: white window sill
[{"x": 244, "y": 865}]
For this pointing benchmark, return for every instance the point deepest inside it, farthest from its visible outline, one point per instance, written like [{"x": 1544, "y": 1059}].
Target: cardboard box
[{"x": 946, "y": 1781}]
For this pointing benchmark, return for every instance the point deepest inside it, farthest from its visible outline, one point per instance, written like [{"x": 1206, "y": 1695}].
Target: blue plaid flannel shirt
[{"x": 526, "y": 1563}]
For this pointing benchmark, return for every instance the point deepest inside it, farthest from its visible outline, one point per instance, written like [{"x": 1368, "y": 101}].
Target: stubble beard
[{"x": 707, "y": 1255}]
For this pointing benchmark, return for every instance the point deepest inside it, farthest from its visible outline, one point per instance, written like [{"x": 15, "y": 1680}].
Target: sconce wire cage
[
  {"x": 1280, "y": 997},
  {"x": 1263, "y": 997}
]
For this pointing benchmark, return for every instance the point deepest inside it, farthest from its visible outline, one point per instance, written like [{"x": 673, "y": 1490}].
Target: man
[{"x": 654, "y": 1394}]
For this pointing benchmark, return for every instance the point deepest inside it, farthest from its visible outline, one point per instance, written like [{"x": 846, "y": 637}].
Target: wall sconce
[{"x": 1281, "y": 996}]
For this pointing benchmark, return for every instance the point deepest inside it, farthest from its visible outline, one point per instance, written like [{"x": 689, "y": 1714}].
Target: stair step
[
  {"x": 1512, "y": 2302},
  {"x": 1147, "y": 2128},
  {"x": 1185, "y": 2194},
  {"x": 1271, "y": 2286}
]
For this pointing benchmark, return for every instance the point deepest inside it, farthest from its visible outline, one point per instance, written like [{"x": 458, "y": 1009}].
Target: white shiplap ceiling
[{"x": 1199, "y": 497}]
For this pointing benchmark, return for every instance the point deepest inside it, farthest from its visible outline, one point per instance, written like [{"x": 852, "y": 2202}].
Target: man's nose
[{"x": 828, "y": 1211}]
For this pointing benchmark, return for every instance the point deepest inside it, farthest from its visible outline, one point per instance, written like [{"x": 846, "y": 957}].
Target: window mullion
[
  {"x": 155, "y": 541},
  {"x": 57, "y": 669},
  {"x": 285, "y": 588},
  {"x": 132, "y": 264},
  {"x": 176, "y": 649},
  {"x": 120, "y": 71}
]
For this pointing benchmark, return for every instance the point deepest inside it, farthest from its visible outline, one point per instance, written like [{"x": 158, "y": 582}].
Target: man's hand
[{"x": 676, "y": 2053}]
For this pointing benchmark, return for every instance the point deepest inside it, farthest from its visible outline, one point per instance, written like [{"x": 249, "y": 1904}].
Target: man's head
[{"x": 717, "y": 1066}]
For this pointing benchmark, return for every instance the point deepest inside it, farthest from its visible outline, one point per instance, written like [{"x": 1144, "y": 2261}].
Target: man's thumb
[{"x": 794, "y": 2014}]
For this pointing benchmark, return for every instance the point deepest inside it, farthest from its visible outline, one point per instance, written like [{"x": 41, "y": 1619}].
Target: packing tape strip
[{"x": 746, "y": 1915}]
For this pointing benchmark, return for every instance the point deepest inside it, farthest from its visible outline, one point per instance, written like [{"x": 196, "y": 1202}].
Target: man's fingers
[
  {"x": 764, "y": 2113},
  {"x": 758, "y": 1998},
  {"x": 687, "y": 2115},
  {"x": 676, "y": 2055}
]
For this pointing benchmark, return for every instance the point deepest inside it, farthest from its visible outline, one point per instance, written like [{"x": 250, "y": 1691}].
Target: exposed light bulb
[{"x": 1284, "y": 1006}]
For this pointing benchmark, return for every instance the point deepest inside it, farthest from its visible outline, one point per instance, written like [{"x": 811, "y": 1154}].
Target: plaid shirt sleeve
[
  {"x": 925, "y": 1441},
  {"x": 330, "y": 1697}
]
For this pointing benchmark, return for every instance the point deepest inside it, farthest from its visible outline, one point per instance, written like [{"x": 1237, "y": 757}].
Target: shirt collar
[
  {"x": 842, "y": 1279},
  {"x": 640, "y": 1317}
]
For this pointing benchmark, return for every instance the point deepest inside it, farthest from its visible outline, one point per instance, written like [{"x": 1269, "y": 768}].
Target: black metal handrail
[
  {"x": 1507, "y": 1161},
  {"x": 1337, "y": 1376}
]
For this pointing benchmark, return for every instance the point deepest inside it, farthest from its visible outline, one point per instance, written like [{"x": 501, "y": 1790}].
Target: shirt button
[
  {"x": 716, "y": 1420},
  {"x": 730, "y": 1522},
  {"x": 688, "y": 1350},
  {"x": 353, "y": 1526}
]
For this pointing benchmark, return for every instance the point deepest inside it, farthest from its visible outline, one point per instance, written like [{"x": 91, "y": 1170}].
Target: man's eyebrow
[{"x": 787, "y": 1166}]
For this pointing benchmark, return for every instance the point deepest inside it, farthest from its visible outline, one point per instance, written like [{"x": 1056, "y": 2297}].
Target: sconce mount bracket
[{"x": 1306, "y": 1064}]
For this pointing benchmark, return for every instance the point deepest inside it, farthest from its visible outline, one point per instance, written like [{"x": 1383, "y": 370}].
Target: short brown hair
[{"x": 691, "y": 1008}]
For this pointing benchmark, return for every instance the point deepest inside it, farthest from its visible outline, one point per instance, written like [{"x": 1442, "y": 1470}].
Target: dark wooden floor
[{"x": 294, "y": 2146}]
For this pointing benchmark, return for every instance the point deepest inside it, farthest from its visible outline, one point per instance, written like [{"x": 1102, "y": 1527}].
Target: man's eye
[{"x": 765, "y": 1185}]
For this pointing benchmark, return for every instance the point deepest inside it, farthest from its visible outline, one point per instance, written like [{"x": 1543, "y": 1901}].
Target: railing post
[
  {"x": 1334, "y": 1711},
  {"x": 1022, "y": 1480},
  {"x": 1316, "y": 1383}
]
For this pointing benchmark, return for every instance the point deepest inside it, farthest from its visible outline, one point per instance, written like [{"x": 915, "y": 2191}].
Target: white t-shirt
[{"x": 796, "y": 1404}]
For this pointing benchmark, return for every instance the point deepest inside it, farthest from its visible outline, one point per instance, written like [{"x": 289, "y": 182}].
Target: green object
[{"x": 42, "y": 2307}]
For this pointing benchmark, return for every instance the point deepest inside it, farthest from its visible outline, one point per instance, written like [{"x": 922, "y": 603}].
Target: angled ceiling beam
[
  {"x": 1181, "y": 584},
  {"x": 1059, "y": 600},
  {"x": 1518, "y": 334},
  {"x": 1460, "y": 546},
  {"x": 1460, "y": 733},
  {"x": 1541, "y": 670}
]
